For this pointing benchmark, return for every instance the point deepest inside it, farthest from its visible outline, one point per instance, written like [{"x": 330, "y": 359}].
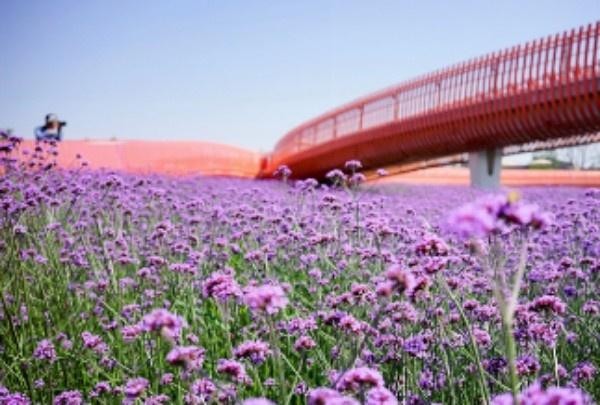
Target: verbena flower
[
  {"x": 304, "y": 343},
  {"x": 135, "y": 387},
  {"x": 536, "y": 395},
  {"x": 190, "y": 357},
  {"x": 220, "y": 286},
  {"x": 495, "y": 213},
  {"x": 165, "y": 322},
  {"x": 584, "y": 371},
  {"x": 13, "y": 398},
  {"x": 233, "y": 369},
  {"x": 336, "y": 176},
  {"x": 380, "y": 396},
  {"x": 282, "y": 172},
  {"x": 398, "y": 279},
  {"x": 68, "y": 398},
  {"x": 359, "y": 378},
  {"x": 94, "y": 342},
  {"x": 550, "y": 303},
  {"x": 353, "y": 165},
  {"x": 266, "y": 298},
  {"x": 255, "y": 351},
  {"x": 45, "y": 351},
  {"x": 328, "y": 396}
]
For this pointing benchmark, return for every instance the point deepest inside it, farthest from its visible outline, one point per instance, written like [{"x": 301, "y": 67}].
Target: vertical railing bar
[
  {"x": 531, "y": 63},
  {"x": 465, "y": 86},
  {"x": 546, "y": 50},
  {"x": 443, "y": 89},
  {"x": 588, "y": 37},
  {"x": 540, "y": 53},
  {"x": 578, "y": 54},
  {"x": 418, "y": 98},
  {"x": 459, "y": 84},
  {"x": 555, "y": 47},
  {"x": 470, "y": 81},
  {"x": 568, "y": 56},
  {"x": 588, "y": 111},
  {"x": 515, "y": 72},
  {"x": 478, "y": 79},
  {"x": 495, "y": 69},
  {"x": 524, "y": 67},
  {"x": 595, "y": 58}
]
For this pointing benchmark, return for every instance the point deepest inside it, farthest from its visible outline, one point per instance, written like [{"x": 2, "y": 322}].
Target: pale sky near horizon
[{"x": 237, "y": 72}]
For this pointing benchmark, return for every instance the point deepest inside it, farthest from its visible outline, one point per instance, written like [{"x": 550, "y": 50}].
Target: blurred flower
[
  {"x": 191, "y": 357},
  {"x": 382, "y": 172},
  {"x": 304, "y": 343},
  {"x": 258, "y": 401},
  {"x": 220, "y": 286},
  {"x": 353, "y": 165},
  {"x": 359, "y": 378},
  {"x": 232, "y": 368},
  {"x": 328, "y": 396},
  {"x": 283, "y": 172},
  {"x": 68, "y": 398},
  {"x": 401, "y": 280},
  {"x": 583, "y": 372},
  {"x": 163, "y": 321},
  {"x": 265, "y": 298},
  {"x": 536, "y": 395},
  {"x": 94, "y": 342},
  {"x": 256, "y": 351},
  {"x": 494, "y": 213},
  {"x": 550, "y": 303},
  {"x": 380, "y": 396},
  {"x": 45, "y": 351},
  {"x": 135, "y": 387},
  {"x": 336, "y": 176}
]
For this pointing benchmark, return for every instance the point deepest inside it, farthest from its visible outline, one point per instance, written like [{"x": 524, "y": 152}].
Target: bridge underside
[{"x": 463, "y": 158}]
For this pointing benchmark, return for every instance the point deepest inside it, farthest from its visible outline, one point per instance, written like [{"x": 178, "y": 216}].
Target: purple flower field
[{"x": 120, "y": 288}]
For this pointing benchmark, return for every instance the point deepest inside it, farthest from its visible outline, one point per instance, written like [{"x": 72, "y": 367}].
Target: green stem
[
  {"x": 555, "y": 358},
  {"x": 277, "y": 358},
  {"x": 511, "y": 355},
  {"x": 482, "y": 380}
]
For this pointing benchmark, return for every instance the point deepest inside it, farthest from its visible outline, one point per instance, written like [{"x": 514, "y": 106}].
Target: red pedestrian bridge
[{"x": 539, "y": 95}]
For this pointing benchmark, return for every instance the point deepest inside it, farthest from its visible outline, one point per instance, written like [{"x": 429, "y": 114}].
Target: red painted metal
[{"x": 540, "y": 91}]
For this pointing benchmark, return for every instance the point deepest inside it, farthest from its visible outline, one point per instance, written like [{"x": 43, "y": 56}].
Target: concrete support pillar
[{"x": 485, "y": 166}]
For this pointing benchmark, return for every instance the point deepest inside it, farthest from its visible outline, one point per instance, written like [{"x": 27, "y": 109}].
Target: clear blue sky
[{"x": 237, "y": 72}]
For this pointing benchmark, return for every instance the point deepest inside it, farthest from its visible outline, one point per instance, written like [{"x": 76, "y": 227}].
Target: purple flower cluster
[
  {"x": 166, "y": 323},
  {"x": 266, "y": 298},
  {"x": 256, "y": 351},
  {"x": 130, "y": 288},
  {"x": 190, "y": 357},
  {"x": 495, "y": 214},
  {"x": 536, "y": 395},
  {"x": 220, "y": 286},
  {"x": 45, "y": 351}
]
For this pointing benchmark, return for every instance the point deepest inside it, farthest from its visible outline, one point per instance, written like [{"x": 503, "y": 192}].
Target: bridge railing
[{"x": 553, "y": 61}]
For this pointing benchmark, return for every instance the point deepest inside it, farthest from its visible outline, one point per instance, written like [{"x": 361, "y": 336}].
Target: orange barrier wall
[
  {"x": 205, "y": 158},
  {"x": 508, "y": 177},
  {"x": 170, "y": 157}
]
